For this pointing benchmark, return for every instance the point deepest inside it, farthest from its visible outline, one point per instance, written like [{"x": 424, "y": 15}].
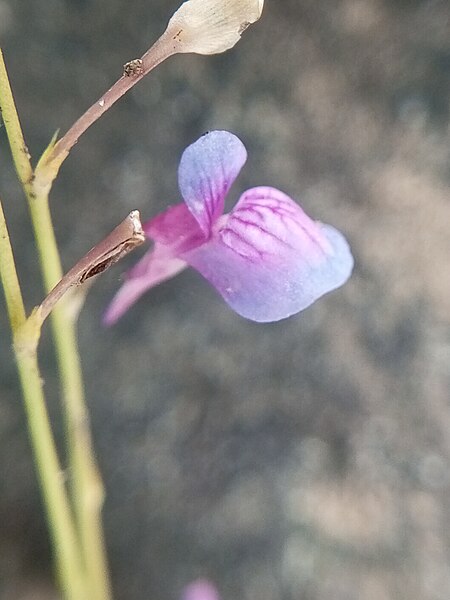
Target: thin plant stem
[
  {"x": 160, "y": 51},
  {"x": 10, "y": 118},
  {"x": 208, "y": 27},
  {"x": 86, "y": 485},
  {"x": 122, "y": 240},
  {"x": 11, "y": 286},
  {"x": 50, "y": 474}
]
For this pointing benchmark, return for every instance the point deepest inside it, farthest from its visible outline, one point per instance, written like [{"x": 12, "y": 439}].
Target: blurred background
[{"x": 301, "y": 460}]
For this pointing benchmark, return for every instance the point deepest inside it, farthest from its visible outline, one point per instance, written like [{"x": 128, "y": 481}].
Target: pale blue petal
[{"x": 207, "y": 170}]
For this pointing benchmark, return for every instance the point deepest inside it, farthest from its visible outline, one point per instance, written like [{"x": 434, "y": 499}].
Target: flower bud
[{"x": 212, "y": 26}]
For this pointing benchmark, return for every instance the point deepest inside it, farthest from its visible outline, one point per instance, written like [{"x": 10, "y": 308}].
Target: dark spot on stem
[
  {"x": 177, "y": 36},
  {"x": 133, "y": 68},
  {"x": 97, "y": 269},
  {"x": 26, "y": 151}
]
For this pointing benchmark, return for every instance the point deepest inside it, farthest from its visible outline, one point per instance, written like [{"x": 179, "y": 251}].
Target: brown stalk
[
  {"x": 122, "y": 240},
  {"x": 133, "y": 72}
]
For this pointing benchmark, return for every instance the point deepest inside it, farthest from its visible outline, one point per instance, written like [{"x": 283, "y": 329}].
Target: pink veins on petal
[{"x": 266, "y": 257}]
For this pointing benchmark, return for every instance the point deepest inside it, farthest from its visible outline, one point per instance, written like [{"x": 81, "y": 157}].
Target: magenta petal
[
  {"x": 207, "y": 170},
  {"x": 269, "y": 260},
  {"x": 155, "y": 266},
  {"x": 173, "y": 231},
  {"x": 175, "y": 228}
]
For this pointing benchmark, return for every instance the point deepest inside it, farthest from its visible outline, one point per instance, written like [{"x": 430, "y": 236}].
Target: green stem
[
  {"x": 70, "y": 570},
  {"x": 11, "y": 286},
  {"x": 86, "y": 485},
  {"x": 49, "y": 471}
]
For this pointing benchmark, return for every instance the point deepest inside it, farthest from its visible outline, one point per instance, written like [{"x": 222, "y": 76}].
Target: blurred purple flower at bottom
[
  {"x": 201, "y": 589},
  {"x": 266, "y": 257}
]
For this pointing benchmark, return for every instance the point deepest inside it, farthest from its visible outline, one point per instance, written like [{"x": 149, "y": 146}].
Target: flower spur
[{"x": 266, "y": 258}]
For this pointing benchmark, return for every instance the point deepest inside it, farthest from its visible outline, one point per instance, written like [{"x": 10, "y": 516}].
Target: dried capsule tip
[{"x": 135, "y": 219}]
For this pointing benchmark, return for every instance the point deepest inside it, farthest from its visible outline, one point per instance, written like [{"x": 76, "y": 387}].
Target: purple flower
[
  {"x": 266, "y": 257},
  {"x": 201, "y": 589}
]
